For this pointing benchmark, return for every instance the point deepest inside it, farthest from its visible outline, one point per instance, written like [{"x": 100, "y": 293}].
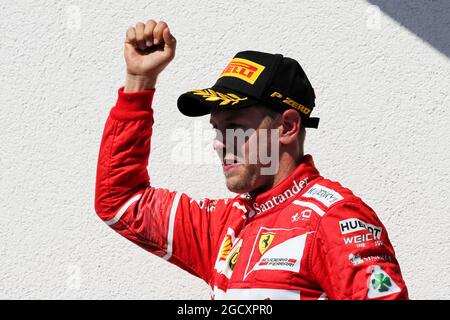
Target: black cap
[{"x": 254, "y": 77}]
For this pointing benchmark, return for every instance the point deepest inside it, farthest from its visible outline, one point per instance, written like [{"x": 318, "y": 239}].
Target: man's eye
[{"x": 235, "y": 126}]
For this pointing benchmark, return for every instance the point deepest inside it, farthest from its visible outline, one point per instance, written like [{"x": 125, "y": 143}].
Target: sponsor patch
[
  {"x": 356, "y": 259},
  {"x": 233, "y": 258},
  {"x": 295, "y": 217},
  {"x": 284, "y": 252},
  {"x": 304, "y": 215},
  {"x": 228, "y": 254},
  {"x": 380, "y": 283},
  {"x": 323, "y": 194},
  {"x": 360, "y": 240},
  {"x": 283, "y": 256},
  {"x": 276, "y": 262},
  {"x": 226, "y": 248},
  {"x": 354, "y": 225},
  {"x": 282, "y": 197},
  {"x": 265, "y": 240},
  {"x": 243, "y": 69}
]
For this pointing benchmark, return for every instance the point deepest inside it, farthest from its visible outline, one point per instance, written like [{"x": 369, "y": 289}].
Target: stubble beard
[{"x": 243, "y": 179}]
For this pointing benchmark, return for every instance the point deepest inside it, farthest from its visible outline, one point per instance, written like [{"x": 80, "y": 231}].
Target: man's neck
[{"x": 286, "y": 166}]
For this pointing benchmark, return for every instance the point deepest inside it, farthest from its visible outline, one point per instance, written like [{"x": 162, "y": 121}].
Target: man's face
[{"x": 243, "y": 140}]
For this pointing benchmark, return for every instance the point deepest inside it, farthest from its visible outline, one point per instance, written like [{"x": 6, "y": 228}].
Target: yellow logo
[
  {"x": 226, "y": 248},
  {"x": 265, "y": 241},
  {"x": 234, "y": 258},
  {"x": 294, "y": 104},
  {"x": 243, "y": 69},
  {"x": 211, "y": 95}
]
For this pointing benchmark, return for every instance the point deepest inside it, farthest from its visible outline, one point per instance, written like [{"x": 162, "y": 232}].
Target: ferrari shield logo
[{"x": 265, "y": 240}]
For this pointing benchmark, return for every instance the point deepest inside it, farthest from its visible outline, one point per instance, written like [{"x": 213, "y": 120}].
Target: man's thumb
[{"x": 169, "y": 39}]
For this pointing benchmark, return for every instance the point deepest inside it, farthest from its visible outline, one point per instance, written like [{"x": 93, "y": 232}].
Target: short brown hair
[{"x": 273, "y": 114}]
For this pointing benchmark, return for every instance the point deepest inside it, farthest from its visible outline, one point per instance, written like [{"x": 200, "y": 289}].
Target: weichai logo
[{"x": 243, "y": 69}]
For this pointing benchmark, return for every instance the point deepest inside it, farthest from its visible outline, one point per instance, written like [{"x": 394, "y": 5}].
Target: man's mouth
[
  {"x": 229, "y": 164},
  {"x": 230, "y": 167}
]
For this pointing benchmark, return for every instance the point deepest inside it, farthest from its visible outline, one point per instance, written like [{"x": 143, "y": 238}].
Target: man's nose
[{"x": 218, "y": 145}]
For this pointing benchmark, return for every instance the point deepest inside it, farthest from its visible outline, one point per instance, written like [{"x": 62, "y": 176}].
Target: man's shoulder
[{"x": 332, "y": 198}]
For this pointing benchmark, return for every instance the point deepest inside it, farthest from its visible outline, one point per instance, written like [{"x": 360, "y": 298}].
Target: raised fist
[{"x": 149, "y": 48}]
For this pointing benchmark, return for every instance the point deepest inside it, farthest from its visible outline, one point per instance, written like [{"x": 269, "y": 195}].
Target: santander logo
[{"x": 282, "y": 197}]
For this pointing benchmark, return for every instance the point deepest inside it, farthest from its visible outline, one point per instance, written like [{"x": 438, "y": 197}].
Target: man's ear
[{"x": 289, "y": 125}]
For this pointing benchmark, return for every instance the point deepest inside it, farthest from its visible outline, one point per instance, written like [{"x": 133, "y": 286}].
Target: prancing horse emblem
[{"x": 265, "y": 241}]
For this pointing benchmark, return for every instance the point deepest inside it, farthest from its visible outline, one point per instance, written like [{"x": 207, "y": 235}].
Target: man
[{"x": 289, "y": 234}]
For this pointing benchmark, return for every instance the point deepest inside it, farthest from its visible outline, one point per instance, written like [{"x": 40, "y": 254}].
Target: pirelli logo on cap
[{"x": 243, "y": 69}]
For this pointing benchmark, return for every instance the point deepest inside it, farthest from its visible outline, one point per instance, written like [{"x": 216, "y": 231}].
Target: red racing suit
[{"x": 306, "y": 238}]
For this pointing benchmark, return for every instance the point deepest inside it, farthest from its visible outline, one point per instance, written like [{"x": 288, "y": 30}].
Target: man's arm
[
  {"x": 352, "y": 256},
  {"x": 168, "y": 224}
]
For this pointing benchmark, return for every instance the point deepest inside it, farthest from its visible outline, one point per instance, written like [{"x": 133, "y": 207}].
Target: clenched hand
[{"x": 149, "y": 48}]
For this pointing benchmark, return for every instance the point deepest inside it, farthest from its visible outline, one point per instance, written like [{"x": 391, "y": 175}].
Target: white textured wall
[{"x": 383, "y": 96}]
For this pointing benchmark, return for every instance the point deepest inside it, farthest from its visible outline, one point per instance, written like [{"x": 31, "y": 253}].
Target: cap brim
[
  {"x": 310, "y": 122},
  {"x": 198, "y": 103}
]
